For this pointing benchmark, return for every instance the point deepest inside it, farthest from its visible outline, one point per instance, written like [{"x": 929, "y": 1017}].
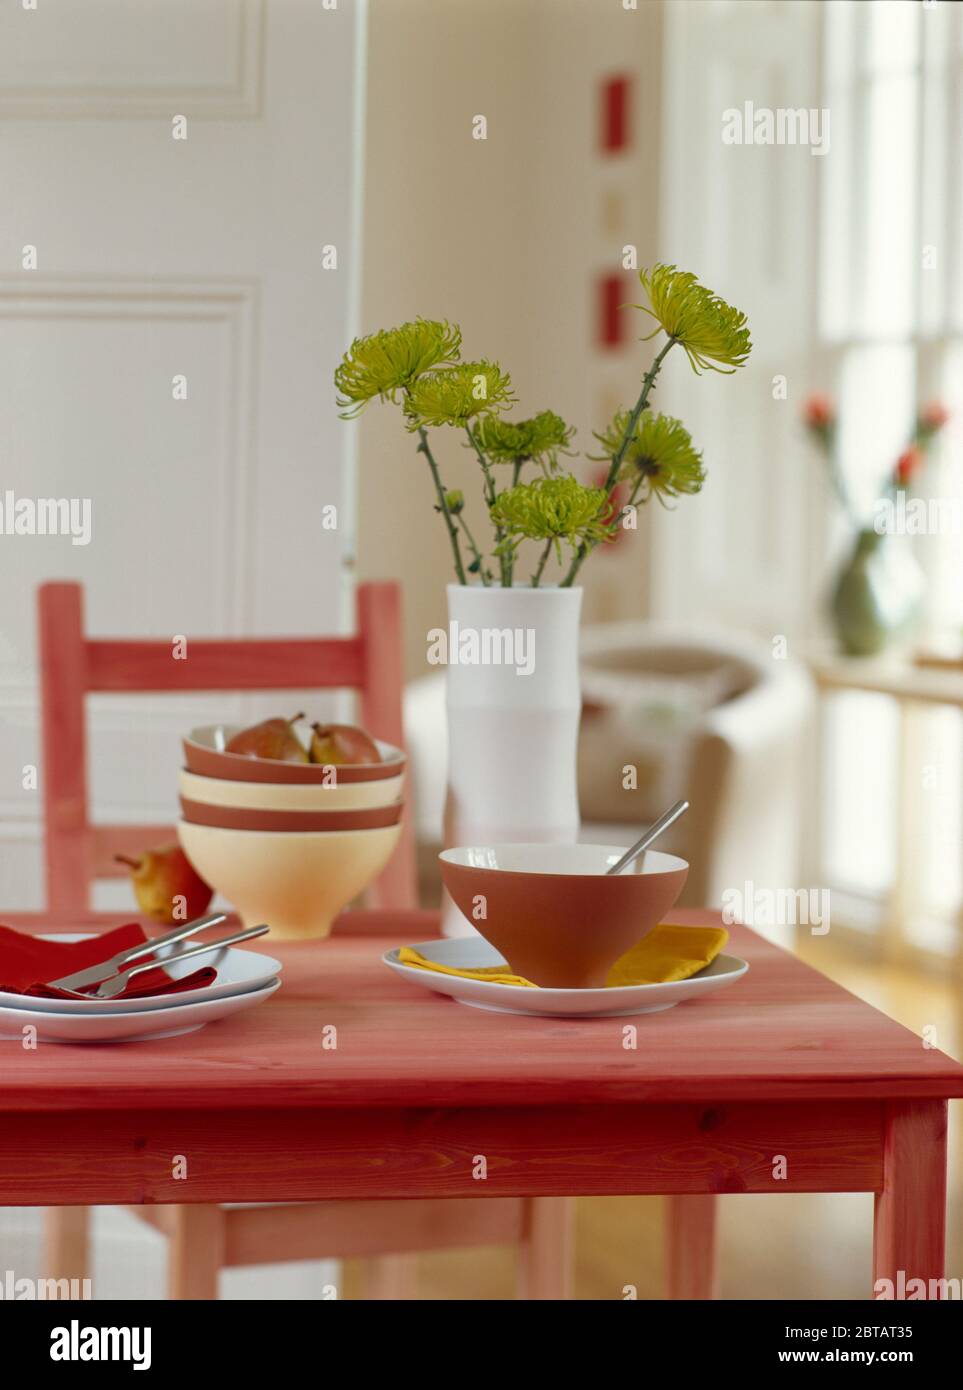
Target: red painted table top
[{"x": 783, "y": 1032}]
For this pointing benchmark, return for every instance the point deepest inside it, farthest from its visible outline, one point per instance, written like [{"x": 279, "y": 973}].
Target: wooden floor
[{"x": 773, "y": 1247}]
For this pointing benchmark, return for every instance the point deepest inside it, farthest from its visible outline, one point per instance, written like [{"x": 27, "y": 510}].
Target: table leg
[
  {"x": 546, "y": 1252},
  {"x": 910, "y": 1220},
  {"x": 390, "y": 1278},
  {"x": 690, "y": 1246},
  {"x": 196, "y": 1251},
  {"x": 65, "y": 1249}
]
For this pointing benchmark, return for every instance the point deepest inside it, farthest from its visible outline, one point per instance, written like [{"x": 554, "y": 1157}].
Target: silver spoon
[{"x": 653, "y": 833}]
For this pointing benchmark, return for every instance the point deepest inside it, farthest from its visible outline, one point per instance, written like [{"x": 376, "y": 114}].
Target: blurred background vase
[
  {"x": 513, "y": 719},
  {"x": 878, "y": 595}
]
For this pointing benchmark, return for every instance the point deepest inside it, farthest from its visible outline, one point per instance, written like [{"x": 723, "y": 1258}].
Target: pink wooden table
[{"x": 782, "y": 1063}]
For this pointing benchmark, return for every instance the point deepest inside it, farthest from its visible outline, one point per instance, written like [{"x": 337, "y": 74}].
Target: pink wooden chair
[{"x": 204, "y": 1239}]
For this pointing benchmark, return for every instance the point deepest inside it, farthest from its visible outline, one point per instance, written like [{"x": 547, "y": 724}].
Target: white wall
[{"x": 504, "y": 236}]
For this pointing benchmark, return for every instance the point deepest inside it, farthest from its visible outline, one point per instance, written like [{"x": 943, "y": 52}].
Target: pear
[
  {"x": 167, "y": 886},
  {"x": 337, "y": 745},
  {"x": 272, "y": 738}
]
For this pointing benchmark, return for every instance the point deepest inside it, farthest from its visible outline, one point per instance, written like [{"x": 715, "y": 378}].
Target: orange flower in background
[
  {"x": 933, "y": 416},
  {"x": 819, "y": 412},
  {"x": 908, "y": 463}
]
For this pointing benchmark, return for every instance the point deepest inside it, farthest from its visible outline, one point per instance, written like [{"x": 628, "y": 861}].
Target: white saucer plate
[
  {"x": 471, "y": 953},
  {"x": 238, "y": 972},
  {"x": 129, "y": 1027}
]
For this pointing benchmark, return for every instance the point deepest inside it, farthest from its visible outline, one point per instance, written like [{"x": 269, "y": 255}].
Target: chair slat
[
  {"x": 270, "y": 664},
  {"x": 63, "y": 774},
  {"x": 379, "y": 622}
]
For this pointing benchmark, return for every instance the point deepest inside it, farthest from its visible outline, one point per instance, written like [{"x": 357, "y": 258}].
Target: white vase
[{"x": 513, "y": 707}]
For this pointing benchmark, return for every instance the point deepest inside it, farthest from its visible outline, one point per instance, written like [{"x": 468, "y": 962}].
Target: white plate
[
  {"x": 129, "y": 1027},
  {"x": 238, "y": 972},
  {"x": 467, "y": 953}
]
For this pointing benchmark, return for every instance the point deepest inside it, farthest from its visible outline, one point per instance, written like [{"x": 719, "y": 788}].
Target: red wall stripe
[
  {"x": 614, "y": 126},
  {"x": 611, "y": 293}
]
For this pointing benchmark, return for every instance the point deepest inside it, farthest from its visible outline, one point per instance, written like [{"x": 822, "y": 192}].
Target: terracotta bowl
[
  {"x": 290, "y": 796},
  {"x": 297, "y": 882},
  {"x": 551, "y": 910},
  {"x": 204, "y": 754},
  {"x": 251, "y": 818}
]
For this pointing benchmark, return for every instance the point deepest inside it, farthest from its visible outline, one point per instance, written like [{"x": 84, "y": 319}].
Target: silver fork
[
  {"x": 104, "y": 969},
  {"x": 109, "y": 989}
]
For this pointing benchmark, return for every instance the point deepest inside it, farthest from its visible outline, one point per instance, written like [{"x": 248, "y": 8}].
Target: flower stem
[
  {"x": 504, "y": 562},
  {"x": 425, "y": 448},
  {"x": 476, "y": 553},
  {"x": 648, "y": 385},
  {"x": 536, "y": 577},
  {"x": 839, "y": 485}
]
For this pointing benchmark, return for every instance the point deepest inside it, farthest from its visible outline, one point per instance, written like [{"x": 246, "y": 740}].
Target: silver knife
[
  {"x": 110, "y": 989},
  {"x": 105, "y": 968}
]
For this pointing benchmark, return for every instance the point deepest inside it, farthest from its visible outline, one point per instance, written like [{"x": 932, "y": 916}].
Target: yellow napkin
[{"x": 668, "y": 953}]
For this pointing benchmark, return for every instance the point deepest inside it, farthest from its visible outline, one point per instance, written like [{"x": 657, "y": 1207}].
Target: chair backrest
[{"x": 73, "y": 664}]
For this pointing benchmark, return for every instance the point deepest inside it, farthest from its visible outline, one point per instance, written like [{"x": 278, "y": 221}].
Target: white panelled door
[{"x": 178, "y": 243}]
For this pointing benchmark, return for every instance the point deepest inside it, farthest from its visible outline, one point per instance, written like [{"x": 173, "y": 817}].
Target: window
[{"x": 891, "y": 337}]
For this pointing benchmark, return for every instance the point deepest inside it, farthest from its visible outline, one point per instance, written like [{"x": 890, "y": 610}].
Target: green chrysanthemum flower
[
  {"x": 713, "y": 334},
  {"x": 659, "y": 456},
  {"x": 553, "y": 509},
  {"x": 390, "y": 361},
  {"x": 455, "y": 395},
  {"x": 541, "y": 438}
]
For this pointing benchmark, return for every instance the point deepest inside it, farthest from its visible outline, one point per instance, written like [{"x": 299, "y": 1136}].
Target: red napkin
[{"x": 27, "y": 961}]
